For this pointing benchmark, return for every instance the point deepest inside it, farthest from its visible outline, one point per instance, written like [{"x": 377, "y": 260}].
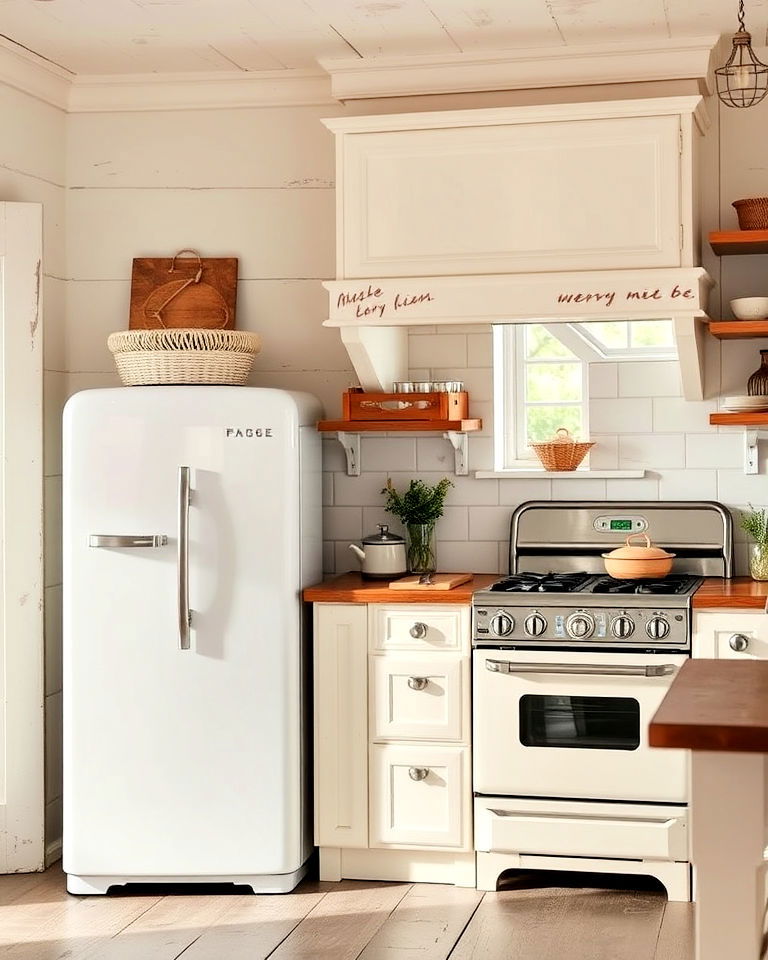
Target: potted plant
[
  {"x": 419, "y": 509},
  {"x": 755, "y": 522}
]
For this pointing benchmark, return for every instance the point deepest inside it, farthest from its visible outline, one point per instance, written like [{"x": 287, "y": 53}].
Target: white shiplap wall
[{"x": 32, "y": 169}]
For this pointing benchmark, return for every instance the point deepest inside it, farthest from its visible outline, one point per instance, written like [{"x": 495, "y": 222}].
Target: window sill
[{"x": 539, "y": 473}]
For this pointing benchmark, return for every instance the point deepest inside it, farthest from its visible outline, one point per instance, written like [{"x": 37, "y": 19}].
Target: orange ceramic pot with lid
[{"x": 631, "y": 563}]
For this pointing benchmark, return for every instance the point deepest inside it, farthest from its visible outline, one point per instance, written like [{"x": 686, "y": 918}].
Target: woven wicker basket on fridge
[
  {"x": 562, "y": 452},
  {"x": 147, "y": 357}
]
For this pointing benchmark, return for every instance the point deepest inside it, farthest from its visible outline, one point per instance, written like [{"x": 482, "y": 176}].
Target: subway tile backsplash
[{"x": 638, "y": 420}]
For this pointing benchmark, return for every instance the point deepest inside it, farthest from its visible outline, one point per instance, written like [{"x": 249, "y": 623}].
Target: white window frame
[
  {"x": 509, "y": 396},
  {"x": 509, "y": 381}
]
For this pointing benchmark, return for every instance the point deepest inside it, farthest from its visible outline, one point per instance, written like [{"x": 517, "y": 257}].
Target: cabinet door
[
  {"x": 341, "y": 725},
  {"x": 732, "y": 635},
  {"x": 419, "y": 698},
  {"x": 420, "y": 796},
  {"x": 512, "y": 198}
]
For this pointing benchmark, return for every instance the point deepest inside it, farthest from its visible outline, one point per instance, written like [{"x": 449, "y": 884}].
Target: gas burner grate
[
  {"x": 542, "y": 583},
  {"x": 673, "y": 584}
]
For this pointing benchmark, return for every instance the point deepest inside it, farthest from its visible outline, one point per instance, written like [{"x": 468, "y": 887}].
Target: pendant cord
[{"x": 742, "y": 28}]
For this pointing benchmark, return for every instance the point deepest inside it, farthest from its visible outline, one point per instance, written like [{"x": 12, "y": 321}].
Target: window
[
  {"x": 541, "y": 386},
  {"x": 541, "y": 376}
]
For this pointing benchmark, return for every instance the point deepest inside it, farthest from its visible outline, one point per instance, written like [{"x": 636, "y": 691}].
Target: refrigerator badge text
[{"x": 248, "y": 432}]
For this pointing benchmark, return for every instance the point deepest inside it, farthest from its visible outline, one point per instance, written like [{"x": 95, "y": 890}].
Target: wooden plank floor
[{"x": 535, "y": 917}]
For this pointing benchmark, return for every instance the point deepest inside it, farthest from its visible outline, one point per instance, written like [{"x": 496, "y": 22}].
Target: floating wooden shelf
[
  {"x": 738, "y": 242},
  {"x": 740, "y": 419},
  {"x": 398, "y": 426},
  {"x": 738, "y": 329}
]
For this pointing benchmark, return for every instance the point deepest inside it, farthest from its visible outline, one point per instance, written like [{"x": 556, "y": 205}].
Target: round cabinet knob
[
  {"x": 418, "y": 631},
  {"x": 535, "y": 625},
  {"x": 657, "y": 628},
  {"x": 417, "y": 683},
  {"x": 580, "y": 626},
  {"x": 738, "y": 642},
  {"x": 622, "y": 628},
  {"x": 502, "y": 625},
  {"x": 418, "y": 773}
]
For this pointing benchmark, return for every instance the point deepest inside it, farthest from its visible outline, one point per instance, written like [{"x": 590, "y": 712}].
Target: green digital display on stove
[{"x": 621, "y": 524}]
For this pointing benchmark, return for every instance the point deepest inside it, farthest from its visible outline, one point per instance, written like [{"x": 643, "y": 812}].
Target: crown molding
[
  {"x": 199, "y": 91},
  {"x": 686, "y": 59},
  {"x": 25, "y": 71}
]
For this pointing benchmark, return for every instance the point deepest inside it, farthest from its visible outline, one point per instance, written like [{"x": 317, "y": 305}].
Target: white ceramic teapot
[{"x": 382, "y": 556}]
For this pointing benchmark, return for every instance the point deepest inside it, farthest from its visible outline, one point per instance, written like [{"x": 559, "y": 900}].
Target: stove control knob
[
  {"x": 622, "y": 628},
  {"x": 502, "y": 625},
  {"x": 580, "y": 626},
  {"x": 657, "y": 628},
  {"x": 535, "y": 625}
]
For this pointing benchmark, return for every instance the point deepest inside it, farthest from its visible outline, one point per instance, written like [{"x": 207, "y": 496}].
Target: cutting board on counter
[{"x": 440, "y": 581}]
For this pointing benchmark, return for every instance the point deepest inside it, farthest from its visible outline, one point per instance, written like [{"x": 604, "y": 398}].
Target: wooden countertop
[
  {"x": 719, "y": 705},
  {"x": 741, "y": 592},
  {"x": 351, "y": 588}
]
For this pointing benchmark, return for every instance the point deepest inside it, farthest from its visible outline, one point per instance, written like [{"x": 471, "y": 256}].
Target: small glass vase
[
  {"x": 758, "y": 561},
  {"x": 422, "y": 552}
]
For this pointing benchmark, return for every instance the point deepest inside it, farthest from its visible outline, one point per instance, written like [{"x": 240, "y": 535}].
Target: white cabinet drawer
[
  {"x": 409, "y": 627},
  {"x": 719, "y": 634},
  {"x": 419, "y": 698},
  {"x": 581, "y": 829},
  {"x": 419, "y": 796}
]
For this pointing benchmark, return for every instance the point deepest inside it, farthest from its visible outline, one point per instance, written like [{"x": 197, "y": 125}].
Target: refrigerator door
[{"x": 183, "y": 744}]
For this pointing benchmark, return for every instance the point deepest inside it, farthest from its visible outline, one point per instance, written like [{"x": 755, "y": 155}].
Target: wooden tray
[
  {"x": 357, "y": 405},
  {"x": 440, "y": 581}
]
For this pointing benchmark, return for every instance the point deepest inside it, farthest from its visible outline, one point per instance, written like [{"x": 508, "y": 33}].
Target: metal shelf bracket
[
  {"x": 459, "y": 442},
  {"x": 751, "y": 462},
  {"x": 351, "y": 444}
]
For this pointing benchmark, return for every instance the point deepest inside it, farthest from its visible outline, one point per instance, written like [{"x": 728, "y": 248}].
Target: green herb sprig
[
  {"x": 755, "y": 522},
  {"x": 420, "y": 503}
]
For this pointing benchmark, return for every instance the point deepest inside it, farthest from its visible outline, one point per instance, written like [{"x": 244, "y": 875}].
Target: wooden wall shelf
[
  {"x": 738, "y": 242},
  {"x": 740, "y": 419},
  {"x": 738, "y": 329},
  {"x": 398, "y": 426}
]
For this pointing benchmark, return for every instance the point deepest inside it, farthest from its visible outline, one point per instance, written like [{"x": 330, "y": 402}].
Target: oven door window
[{"x": 586, "y": 723}]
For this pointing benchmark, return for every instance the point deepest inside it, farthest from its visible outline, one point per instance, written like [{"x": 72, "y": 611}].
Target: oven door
[{"x": 565, "y": 724}]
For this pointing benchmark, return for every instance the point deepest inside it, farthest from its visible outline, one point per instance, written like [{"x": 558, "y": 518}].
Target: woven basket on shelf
[
  {"x": 145, "y": 357},
  {"x": 562, "y": 452},
  {"x": 752, "y": 213}
]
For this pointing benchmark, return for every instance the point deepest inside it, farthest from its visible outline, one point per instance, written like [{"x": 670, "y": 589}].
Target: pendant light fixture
[{"x": 743, "y": 80}]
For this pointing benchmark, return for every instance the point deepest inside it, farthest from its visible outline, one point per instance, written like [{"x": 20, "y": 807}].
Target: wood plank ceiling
[{"x": 169, "y": 36}]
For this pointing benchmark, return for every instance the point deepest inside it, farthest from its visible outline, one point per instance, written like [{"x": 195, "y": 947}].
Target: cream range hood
[{"x": 553, "y": 214}]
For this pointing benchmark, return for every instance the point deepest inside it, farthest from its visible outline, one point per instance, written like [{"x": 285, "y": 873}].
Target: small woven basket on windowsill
[
  {"x": 145, "y": 357},
  {"x": 562, "y": 452}
]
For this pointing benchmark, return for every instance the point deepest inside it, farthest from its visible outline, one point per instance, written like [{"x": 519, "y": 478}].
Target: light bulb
[{"x": 742, "y": 78}]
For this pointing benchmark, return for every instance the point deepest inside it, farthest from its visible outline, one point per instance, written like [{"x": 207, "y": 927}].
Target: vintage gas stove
[{"x": 569, "y": 666}]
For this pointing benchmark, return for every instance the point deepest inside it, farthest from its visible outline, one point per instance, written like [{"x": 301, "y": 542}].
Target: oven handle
[{"x": 584, "y": 669}]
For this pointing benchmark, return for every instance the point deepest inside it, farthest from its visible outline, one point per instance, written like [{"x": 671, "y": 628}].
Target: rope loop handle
[{"x": 194, "y": 253}]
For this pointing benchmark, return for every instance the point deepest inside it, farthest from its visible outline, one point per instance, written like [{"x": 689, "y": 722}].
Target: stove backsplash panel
[{"x": 638, "y": 419}]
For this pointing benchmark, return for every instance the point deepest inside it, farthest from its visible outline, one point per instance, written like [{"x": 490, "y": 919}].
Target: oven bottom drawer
[{"x": 576, "y": 829}]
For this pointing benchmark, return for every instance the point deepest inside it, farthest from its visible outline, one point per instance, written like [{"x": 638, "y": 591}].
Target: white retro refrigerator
[{"x": 191, "y": 523}]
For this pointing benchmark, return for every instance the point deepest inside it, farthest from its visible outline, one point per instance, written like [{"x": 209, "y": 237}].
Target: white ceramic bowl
[{"x": 750, "y": 308}]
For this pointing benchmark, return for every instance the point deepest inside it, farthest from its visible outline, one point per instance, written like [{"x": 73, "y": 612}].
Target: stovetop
[{"x": 589, "y": 583}]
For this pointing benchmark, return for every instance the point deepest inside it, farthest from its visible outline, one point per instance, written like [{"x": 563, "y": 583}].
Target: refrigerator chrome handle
[
  {"x": 583, "y": 669},
  {"x": 114, "y": 540},
  {"x": 185, "y": 616}
]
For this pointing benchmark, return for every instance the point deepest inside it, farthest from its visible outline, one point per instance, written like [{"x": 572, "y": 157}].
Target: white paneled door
[{"x": 21, "y": 546}]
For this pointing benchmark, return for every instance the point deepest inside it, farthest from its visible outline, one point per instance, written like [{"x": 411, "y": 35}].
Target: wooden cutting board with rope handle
[{"x": 183, "y": 291}]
